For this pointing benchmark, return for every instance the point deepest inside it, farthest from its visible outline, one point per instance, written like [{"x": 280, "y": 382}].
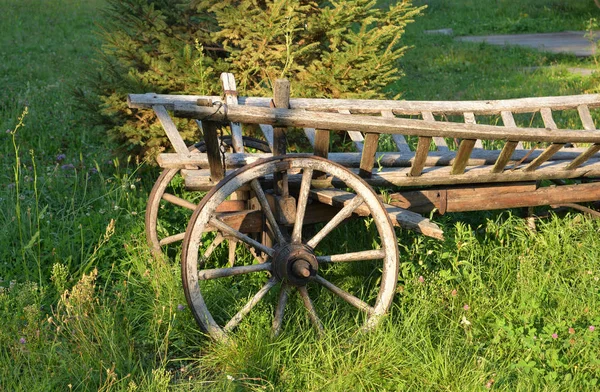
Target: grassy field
[{"x": 84, "y": 306}]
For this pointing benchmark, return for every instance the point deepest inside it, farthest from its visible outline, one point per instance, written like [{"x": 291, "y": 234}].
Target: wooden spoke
[
  {"x": 172, "y": 238},
  {"x": 352, "y": 300},
  {"x": 235, "y": 320},
  {"x": 242, "y": 237},
  {"x": 336, "y": 220},
  {"x": 178, "y": 201},
  {"x": 262, "y": 199},
  {"x": 279, "y": 310},
  {"x": 231, "y": 255},
  {"x": 301, "y": 207},
  {"x": 312, "y": 313},
  {"x": 355, "y": 256},
  {"x": 213, "y": 245},
  {"x": 216, "y": 273}
]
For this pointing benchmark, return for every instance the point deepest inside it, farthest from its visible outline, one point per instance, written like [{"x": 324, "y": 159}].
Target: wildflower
[
  {"x": 180, "y": 307},
  {"x": 571, "y": 331},
  {"x": 230, "y": 378},
  {"x": 22, "y": 341},
  {"x": 464, "y": 321},
  {"x": 454, "y": 293},
  {"x": 93, "y": 170},
  {"x": 68, "y": 166},
  {"x": 591, "y": 328},
  {"x": 60, "y": 157},
  {"x": 466, "y": 307},
  {"x": 554, "y": 335},
  {"x": 489, "y": 384},
  {"x": 421, "y": 279}
]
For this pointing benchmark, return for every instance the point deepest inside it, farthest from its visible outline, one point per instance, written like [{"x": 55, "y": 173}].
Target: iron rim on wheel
[{"x": 291, "y": 260}]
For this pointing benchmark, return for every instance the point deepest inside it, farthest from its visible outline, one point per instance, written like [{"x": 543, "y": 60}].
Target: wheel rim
[
  {"x": 156, "y": 199},
  {"x": 280, "y": 259}
]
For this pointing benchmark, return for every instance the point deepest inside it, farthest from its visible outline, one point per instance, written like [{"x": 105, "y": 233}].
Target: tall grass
[{"x": 85, "y": 306}]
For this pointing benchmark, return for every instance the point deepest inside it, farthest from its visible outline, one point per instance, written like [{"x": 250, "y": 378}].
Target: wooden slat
[
  {"x": 440, "y": 142},
  {"x": 230, "y": 93},
  {"x": 310, "y": 135},
  {"x": 371, "y": 106},
  {"x": 321, "y": 143},
  {"x": 212, "y": 150},
  {"x": 281, "y": 99},
  {"x": 356, "y": 137},
  {"x": 399, "y": 216},
  {"x": 399, "y": 140},
  {"x": 504, "y": 157},
  {"x": 170, "y": 129},
  {"x": 470, "y": 119},
  {"x": 581, "y": 159},
  {"x": 420, "y": 156},
  {"x": 509, "y": 121},
  {"x": 267, "y": 131},
  {"x": 462, "y": 156},
  {"x": 586, "y": 118},
  {"x": 552, "y": 149},
  {"x": 367, "y": 159}
]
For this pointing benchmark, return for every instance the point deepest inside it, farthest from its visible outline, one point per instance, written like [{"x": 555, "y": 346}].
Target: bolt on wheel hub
[{"x": 295, "y": 264}]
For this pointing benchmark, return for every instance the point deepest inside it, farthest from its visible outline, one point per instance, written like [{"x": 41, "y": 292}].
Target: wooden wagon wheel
[
  {"x": 159, "y": 198},
  {"x": 293, "y": 261}
]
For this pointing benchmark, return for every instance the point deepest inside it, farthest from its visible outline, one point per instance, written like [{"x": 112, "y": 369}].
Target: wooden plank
[
  {"x": 485, "y": 198},
  {"x": 439, "y": 142},
  {"x": 509, "y": 121},
  {"x": 372, "y": 106},
  {"x": 581, "y": 159},
  {"x": 281, "y": 99},
  {"x": 586, "y": 118},
  {"x": 385, "y": 159},
  {"x": 356, "y": 137},
  {"x": 504, "y": 157},
  {"x": 170, "y": 129},
  {"x": 399, "y": 216},
  {"x": 372, "y": 124},
  {"x": 553, "y": 148},
  {"x": 213, "y": 151},
  {"x": 399, "y": 140},
  {"x": 462, "y": 156},
  {"x": 230, "y": 93},
  {"x": 420, "y": 156},
  {"x": 438, "y": 175},
  {"x": 367, "y": 159},
  {"x": 310, "y": 135},
  {"x": 470, "y": 119}
]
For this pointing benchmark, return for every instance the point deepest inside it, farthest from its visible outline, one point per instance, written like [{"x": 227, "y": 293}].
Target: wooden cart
[{"x": 283, "y": 207}]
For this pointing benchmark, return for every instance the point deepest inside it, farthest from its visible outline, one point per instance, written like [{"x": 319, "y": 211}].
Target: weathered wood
[
  {"x": 509, "y": 121},
  {"x": 213, "y": 151},
  {"x": 553, "y": 148},
  {"x": 170, "y": 129},
  {"x": 372, "y": 106},
  {"x": 504, "y": 157},
  {"x": 310, "y": 135},
  {"x": 581, "y": 159},
  {"x": 399, "y": 140},
  {"x": 439, "y": 142},
  {"x": 321, "y": 143},
  {"x": 477, "y": 198},
  {"x": 371, "y": 124},
  {"x": 281, "y": 100},
  {"x": 385, "y": 159},
  {"x": 420, "y": 156},
  {"x": 230, "y": 93},
  {"x": 470, "y": 119},
  {"x": 462, "y": 156},
  {"x": 356, "y": 137},
  {"x": 586, "y": 118},
  {"x": 267, "y": 131},
  {"x": 367, "y": 159},
  {"x": 399, "y": 216}
]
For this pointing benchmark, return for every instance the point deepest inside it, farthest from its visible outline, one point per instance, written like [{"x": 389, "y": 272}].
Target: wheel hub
[{"x": 295, "y": 264}]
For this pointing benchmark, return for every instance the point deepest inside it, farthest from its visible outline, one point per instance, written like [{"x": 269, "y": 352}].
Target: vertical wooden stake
[
  {"x": 213, "y": 150},
  {"x": 281, "y": 100}
]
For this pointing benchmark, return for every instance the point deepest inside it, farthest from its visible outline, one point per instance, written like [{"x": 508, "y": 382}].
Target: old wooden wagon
[{"x": 282, "y": 214}]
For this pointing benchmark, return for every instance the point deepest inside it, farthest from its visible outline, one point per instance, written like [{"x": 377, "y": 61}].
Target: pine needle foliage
[{"x": 333, "y": 49}]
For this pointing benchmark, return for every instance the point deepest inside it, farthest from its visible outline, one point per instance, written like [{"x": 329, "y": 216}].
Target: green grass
[{"x": 84, "y": 306}]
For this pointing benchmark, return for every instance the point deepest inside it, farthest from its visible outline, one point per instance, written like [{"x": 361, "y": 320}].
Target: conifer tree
[{"x": 335, "y": 49}]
